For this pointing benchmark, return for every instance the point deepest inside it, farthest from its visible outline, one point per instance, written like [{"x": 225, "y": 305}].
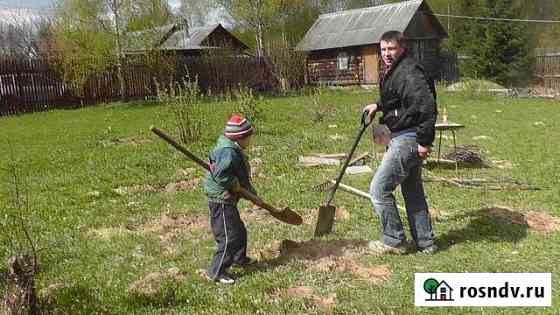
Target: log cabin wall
[{"x": 323, "y": 67}]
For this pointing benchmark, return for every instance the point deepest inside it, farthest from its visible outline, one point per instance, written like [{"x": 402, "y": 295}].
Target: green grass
[{"x": 70, "y": 170}]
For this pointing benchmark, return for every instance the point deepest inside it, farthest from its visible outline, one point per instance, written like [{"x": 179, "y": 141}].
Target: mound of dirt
[
  {"x": 375, "y": 275},
  {"x": 317, "y": 249},
  {"x": 535, "y": 220},
  {"x": 168, "y": 227},
  {"x": 542, "y": 222},
  {"x": 326, "y": 255},
  {"x": 153, "y": 284},
  {"x": 324, "y": 304},
  {"x": 183, "y": 185}
]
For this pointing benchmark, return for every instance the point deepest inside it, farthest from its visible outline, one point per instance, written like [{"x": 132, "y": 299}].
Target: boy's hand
[{"x": 236, "y": 188}]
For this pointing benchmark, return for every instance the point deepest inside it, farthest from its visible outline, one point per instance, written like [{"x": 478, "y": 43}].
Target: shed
[
  {"x": 343, "y": 47},
  {"x": 184, "y": 40}
]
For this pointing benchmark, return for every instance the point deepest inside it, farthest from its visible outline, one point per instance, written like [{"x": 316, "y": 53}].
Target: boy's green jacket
[{"x": 229, "y": 166}]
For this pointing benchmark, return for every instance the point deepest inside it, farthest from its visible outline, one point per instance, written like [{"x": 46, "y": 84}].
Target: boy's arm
[{"x": 223, "y": 171}]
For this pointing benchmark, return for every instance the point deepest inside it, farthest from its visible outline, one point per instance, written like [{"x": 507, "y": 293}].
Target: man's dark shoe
[{"x": 246, "y": 262}]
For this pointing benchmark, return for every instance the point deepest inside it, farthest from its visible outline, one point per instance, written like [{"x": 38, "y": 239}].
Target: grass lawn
[{"x": 96, "y": 180}]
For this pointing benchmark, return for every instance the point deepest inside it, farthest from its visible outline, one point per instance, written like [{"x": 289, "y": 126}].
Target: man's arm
[{"x": 417, "y": 94}]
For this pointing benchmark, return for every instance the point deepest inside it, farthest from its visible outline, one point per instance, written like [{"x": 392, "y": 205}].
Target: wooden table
[{"x": 448, "y": 126}]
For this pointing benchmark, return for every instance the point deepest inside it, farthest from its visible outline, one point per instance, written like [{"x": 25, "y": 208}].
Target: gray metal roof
[
  {"x": 188, "y": 40},
  {"x": 175, "y": 37},
  {"x": 358, "y": 27}
]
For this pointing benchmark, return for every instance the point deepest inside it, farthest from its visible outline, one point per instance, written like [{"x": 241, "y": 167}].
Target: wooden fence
[
  {"x": 37, "y": 85},
  {"x": 547, "y": 69}
]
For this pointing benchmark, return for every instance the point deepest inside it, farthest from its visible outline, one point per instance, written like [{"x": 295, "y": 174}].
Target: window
[{"x": 342, "y": 61}]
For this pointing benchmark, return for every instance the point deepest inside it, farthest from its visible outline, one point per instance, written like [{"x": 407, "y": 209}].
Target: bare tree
[
  {"x": 100, "y": 29},
  {"x": 22, "y": 35}
]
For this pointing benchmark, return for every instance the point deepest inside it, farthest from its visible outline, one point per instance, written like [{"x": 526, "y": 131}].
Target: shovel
[
  {"x": 327, "y": 211},
  {"x": 285, "y": 215}
]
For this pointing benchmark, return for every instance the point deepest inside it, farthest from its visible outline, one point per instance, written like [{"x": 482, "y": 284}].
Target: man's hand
[
  {"x": 371, "y": 109},
  {"x": 424, "y": 152}
]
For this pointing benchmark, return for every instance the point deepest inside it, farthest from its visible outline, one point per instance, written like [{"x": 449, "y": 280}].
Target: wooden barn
[
  {"x": 183, "y": 40},
  {"x": 343, "y": 47}
]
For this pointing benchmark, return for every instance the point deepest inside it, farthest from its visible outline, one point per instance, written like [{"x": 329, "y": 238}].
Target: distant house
[
  {"x": 343, "y": 47},
  {"x": 182, "y": 40}
]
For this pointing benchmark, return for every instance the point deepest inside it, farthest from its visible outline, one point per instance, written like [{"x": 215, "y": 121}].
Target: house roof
[
  {"x": 362, "y": 26},
  {"x": 175, "y": 37}
]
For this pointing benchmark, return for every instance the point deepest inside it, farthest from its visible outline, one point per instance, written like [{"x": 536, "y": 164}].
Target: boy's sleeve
[{"x": 223, "y": 172}]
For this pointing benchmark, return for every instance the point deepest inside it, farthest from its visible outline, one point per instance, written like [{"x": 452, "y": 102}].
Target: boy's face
[{"x": 245, "y": 142}]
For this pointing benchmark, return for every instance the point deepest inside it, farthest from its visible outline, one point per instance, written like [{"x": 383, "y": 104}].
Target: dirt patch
[
  {"x": 129, "y": 190},
  {"x": 535, "y": 220},
  {"x": 324, "y": 304},
  {"x": 134, "y": 141},
  {"x": 310, "y": 251},
  {"x": 154, "y": 284},
  {"x": 375, "y": 275},
  {"x": 168, "y": 227},
  {"x": 106, "y": 233},
  {"x": 507, "y": 215},
  {"x": 183, "y": 185},
  {"x": 255, "y": 214},
  {"x": 503, "y": 164},
  {"x": 542, "y": 222}
]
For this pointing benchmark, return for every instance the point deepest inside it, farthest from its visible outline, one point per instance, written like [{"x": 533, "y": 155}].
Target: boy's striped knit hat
[{"x": 238, "y": 127}]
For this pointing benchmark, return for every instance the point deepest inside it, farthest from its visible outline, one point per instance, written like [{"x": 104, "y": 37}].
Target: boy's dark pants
[{"x": 230, "y": 235}]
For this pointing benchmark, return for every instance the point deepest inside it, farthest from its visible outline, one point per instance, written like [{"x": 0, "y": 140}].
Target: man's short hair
[{"x": 394, "y": 36}]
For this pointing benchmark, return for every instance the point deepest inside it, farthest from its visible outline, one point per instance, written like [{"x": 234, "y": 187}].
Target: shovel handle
[
  {"x": 244, "y": 193},
  {"x": 180, "y": 148},
  {"x": 365, "y": 121}
]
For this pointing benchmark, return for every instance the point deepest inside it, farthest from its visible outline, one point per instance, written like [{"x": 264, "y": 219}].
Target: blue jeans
[{"x": 401, "y": 165}]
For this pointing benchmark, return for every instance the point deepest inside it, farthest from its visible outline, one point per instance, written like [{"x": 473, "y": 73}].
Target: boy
[{"x": 229, "y": 171}]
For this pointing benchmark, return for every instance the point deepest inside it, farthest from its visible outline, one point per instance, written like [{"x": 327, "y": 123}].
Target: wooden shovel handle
[{"x": 244, "y": 193}]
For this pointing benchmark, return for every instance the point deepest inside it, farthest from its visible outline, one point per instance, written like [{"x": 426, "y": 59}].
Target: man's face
[{"x": 390, "y": 52}]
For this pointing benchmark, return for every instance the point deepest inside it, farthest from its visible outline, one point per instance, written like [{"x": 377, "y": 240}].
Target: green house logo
[{"x": 438, "y": 290}]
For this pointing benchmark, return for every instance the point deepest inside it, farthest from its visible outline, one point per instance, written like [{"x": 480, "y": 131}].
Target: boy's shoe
[
  {"x": 380, "y": 248},
  {"x": 246, "y": 262},
  {"x": 223, "y": 278},
  {"x": 430, "y": 250}
]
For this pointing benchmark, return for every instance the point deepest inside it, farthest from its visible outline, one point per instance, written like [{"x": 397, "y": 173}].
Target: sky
[{"x": 35, "y": 4}]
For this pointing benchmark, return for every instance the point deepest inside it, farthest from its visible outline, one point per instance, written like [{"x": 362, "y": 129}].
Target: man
[{"x": 409, "y": 114}]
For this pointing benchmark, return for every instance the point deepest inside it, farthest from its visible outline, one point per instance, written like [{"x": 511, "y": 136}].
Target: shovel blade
[
  {"x": 325, "y": 220},
  {"x": 287, "y": 215}
]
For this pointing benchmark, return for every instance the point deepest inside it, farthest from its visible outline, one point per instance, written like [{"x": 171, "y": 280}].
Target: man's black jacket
[{"x": 408, "y": 100}]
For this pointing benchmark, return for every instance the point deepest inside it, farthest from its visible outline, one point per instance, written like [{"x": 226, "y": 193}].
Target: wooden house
[
  {"x": 183, "y": 40},
  {"x": 343, "y": 47}
]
